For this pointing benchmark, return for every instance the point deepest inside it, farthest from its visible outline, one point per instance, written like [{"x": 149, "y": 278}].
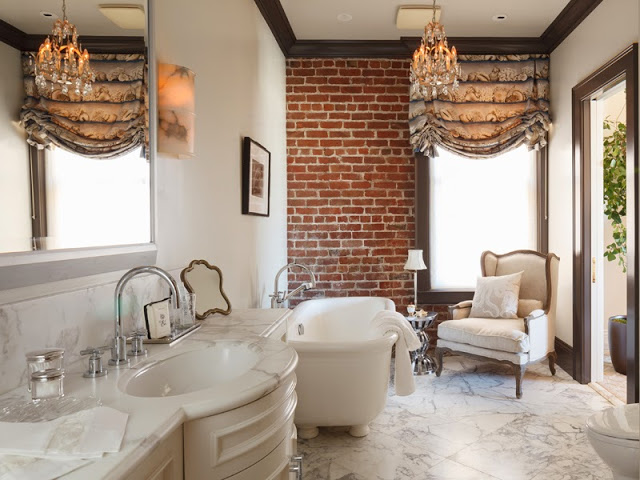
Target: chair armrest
[
  {"x": 460, "y": 310},
  {"x": 536, "y": 326}
]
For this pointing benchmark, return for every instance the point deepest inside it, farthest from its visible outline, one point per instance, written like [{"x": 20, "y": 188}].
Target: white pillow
[{"x": 496, "y": 297}]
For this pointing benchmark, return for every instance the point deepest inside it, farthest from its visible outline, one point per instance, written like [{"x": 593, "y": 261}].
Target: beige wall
[
  {"x": 15, "y": 213},
  {"x": 240, "y": 91},
  {"x": 610, "y": 28}
]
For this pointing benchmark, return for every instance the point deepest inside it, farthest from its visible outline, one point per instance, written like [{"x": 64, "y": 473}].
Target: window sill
[{"x": 444, "y": 296}]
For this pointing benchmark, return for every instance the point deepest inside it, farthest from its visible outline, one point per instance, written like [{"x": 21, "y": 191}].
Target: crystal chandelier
[
  {"x": 60, "y": 63},
  {"x": 435, "y": 68}
]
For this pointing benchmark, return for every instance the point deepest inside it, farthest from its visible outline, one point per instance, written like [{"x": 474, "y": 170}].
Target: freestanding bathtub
[{"x": 343, "y": 367}]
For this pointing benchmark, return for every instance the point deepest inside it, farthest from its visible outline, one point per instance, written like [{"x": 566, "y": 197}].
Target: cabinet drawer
[
  {"x": 274, "y": 466},
  {"x": 221, "y": 445}
]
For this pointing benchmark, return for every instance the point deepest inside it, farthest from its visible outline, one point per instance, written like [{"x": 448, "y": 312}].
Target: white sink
[{"x": 214, "y": 366}]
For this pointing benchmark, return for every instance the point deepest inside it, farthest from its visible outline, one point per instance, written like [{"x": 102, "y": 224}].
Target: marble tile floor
[
  {"x": 468, "y": 425},
  {"x": 614, "y": 382}
]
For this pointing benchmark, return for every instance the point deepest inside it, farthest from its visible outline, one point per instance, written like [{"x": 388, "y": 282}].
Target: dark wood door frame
[{"x": 625, "y": 65}]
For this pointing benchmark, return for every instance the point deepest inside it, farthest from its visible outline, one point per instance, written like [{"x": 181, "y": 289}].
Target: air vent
[
  {"x": 128, "y": 17},
  {"x": 415, "y": 17}
]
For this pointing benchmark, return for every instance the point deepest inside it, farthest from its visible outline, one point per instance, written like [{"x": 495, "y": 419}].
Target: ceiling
[
  {"x": 25, "y": 15},
  {"x": 375, "y": 19}
]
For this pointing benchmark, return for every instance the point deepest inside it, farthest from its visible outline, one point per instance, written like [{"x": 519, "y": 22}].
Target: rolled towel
[{"x": 390, "y": 321}]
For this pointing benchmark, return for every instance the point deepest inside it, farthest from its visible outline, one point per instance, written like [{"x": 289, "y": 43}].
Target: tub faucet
[
  {"x": 279, "y": 298},
  {"x": 119, "y": 347}
]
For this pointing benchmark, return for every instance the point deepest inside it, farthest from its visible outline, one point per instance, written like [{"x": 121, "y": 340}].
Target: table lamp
[{"x": 415, "y": 263}]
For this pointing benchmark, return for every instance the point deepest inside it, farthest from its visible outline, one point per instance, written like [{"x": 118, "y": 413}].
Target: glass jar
[
  {"x": 40, "y": 360},
  {"x": 47, "y": 384}
]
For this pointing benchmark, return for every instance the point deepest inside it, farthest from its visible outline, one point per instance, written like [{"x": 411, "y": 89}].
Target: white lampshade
[{"x": 415, "y": 261}]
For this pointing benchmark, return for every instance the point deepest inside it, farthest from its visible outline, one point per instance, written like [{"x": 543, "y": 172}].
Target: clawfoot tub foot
[
  {"x": 306, "y": 432},
  {"x": 359, "y": 430}
]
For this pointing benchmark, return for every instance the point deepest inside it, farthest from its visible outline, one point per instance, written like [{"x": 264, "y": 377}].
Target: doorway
[
  {"x": 608, "y": 234},
  {"x": 590, "y": 99}
]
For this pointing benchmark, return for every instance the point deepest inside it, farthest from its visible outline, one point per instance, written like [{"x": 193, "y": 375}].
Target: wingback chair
[{"x": 516, "y": 342}]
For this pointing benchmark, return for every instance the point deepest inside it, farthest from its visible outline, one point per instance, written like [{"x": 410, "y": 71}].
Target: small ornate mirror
[{"x": 206, "y": 282}]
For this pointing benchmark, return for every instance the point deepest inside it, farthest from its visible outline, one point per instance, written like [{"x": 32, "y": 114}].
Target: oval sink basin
[{"x": 189, "y": 372}]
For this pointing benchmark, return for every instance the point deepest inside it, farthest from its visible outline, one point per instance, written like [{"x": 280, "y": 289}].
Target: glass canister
[
  {"x": 40, "y": 360},
  {"x": 47, "y": 384}
]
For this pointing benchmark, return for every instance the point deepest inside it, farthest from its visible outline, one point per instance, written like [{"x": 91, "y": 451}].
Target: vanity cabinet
[
  {"x": 165, "y": 462},
  {"x": 250, "y": 442}
]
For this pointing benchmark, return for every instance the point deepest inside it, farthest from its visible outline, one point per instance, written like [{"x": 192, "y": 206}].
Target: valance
[
  {"x": 108, "y": 122},
  {"x": 502, "y": 103}
]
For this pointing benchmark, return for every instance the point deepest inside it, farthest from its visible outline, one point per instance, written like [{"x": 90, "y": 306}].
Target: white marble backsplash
[{"x": 71, "y": 320}]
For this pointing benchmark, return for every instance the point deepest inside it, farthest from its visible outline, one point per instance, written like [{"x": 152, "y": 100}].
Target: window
[
  {"x": 93, "y": 202},
  {"x": 474, "y": 205}
]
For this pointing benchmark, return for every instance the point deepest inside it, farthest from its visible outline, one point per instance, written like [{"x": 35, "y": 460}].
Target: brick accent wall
[{"x": 350, "y": 176}]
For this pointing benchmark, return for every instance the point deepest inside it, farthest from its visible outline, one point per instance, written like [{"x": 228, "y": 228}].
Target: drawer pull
[{"x": 296, "y": 466}]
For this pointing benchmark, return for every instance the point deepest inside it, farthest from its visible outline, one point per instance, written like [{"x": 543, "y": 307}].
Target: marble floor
[
  {"x": 468, "y": 425},
  {"x": 614, "y": 382}
]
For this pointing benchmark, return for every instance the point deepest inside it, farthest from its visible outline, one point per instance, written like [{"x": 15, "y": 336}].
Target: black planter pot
[{"x": 618, "y": 343}]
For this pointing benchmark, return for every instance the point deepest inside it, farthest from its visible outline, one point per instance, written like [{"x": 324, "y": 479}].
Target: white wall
[
  {"x": 608, "y": 30},
  {"x": 15, "y": 207},
  {"x": 240, "y": 91}
]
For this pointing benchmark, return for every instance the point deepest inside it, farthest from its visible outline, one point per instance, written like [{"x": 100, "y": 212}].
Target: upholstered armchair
[{"x": 514, "y": 341}]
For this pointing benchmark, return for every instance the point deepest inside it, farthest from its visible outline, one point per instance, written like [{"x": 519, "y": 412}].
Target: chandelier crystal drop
[
  {"x": 61, "y": 64},
  {"x": 435, "y": 69}
]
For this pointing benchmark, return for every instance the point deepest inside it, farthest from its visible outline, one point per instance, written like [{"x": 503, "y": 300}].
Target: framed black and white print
[{"x": 256, "y": 178}]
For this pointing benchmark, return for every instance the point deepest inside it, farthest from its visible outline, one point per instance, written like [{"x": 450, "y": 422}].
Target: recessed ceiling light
[
  {"x": 499, "y": 18},
  {"x": 48, "y": 15},
  {"x": 345, "y": 17}
]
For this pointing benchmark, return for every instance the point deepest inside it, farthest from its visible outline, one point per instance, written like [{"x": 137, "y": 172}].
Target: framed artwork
[{"x": 256, "y": 178}]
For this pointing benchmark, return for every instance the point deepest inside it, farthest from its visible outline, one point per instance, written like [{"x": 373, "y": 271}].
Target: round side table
[{"x": 423, "y": 364}]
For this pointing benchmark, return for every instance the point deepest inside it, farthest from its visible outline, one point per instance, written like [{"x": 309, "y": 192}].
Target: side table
[{"x": 423, "y": 363}]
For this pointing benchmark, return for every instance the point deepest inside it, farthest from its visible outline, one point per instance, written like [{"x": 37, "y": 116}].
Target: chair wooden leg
[
  {"x": 553, "y": 358},
  {"x": 439, "y": 355},
  {"x": 519, "y": 372}
]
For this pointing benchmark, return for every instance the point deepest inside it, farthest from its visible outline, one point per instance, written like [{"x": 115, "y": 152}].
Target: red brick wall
[{"x": 350, "y": 176}]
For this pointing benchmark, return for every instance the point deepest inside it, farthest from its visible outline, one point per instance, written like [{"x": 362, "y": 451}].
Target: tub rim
[{"x": 385, "y": 342}]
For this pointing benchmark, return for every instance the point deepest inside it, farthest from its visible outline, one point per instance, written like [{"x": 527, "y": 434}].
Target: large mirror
[
  {"x": 205, "y": 281},
  {"x": 75, "y": 169}
]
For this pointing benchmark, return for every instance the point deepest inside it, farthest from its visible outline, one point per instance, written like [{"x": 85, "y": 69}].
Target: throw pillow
[{"x": 496, "y": 297}]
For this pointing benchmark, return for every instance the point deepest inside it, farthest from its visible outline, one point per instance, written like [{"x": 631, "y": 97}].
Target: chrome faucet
[
  {"x": 119, "y": 347},
  {"x": 278, "y": 298}
]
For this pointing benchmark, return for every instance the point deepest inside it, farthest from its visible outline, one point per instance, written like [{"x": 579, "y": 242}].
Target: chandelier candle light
[
  {"x": 435, "y": 68},
  {"x": 61, "y": 64}
]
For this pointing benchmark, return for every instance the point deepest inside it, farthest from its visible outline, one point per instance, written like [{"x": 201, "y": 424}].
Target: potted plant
[{"x": 615, "y": 208}]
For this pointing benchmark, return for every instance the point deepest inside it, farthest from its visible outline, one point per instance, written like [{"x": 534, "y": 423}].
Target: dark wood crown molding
[
  {"x": 278, "y": 22},
  {"x": 24, "y": 42},
  {"x": 11, "y": 35},
  {"x": 570, "y": 17},
  {"x": 566, "y": 22}
]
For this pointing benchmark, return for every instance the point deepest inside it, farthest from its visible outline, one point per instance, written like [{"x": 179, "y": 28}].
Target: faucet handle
[
  {"x": 137, "y": 343},
  {"x": 95, "y": 361}
]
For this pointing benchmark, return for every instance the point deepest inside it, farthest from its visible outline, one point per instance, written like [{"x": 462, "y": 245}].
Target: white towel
[
  {"x": 390, "y": 321},
  {"x": 85, "y": 434}
]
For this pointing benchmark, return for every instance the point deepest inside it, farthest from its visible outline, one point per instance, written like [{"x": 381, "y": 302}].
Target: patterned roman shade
[
  {"x": 502, "y": 103},
  {"x": 106, "y": 123}
]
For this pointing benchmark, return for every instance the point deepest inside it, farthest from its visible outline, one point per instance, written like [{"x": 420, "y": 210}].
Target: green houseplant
[{"x": 615, "y": 208}]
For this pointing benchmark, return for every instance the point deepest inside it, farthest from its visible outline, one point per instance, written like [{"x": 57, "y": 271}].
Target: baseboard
[{"x": 565, "y": 355}]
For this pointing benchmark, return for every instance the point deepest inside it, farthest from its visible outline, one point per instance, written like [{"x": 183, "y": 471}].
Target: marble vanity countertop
[{"x": 151, "y": 419}]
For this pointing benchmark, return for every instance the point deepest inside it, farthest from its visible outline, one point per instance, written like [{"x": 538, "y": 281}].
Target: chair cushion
[
  {"x": 496, "y": 297},
  {"x": 506, "y": 335}
]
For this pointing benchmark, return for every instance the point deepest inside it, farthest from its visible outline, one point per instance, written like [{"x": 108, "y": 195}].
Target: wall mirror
[
  {"x": 205, "y": 281},
  {"x": 77, "y": 164}
]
